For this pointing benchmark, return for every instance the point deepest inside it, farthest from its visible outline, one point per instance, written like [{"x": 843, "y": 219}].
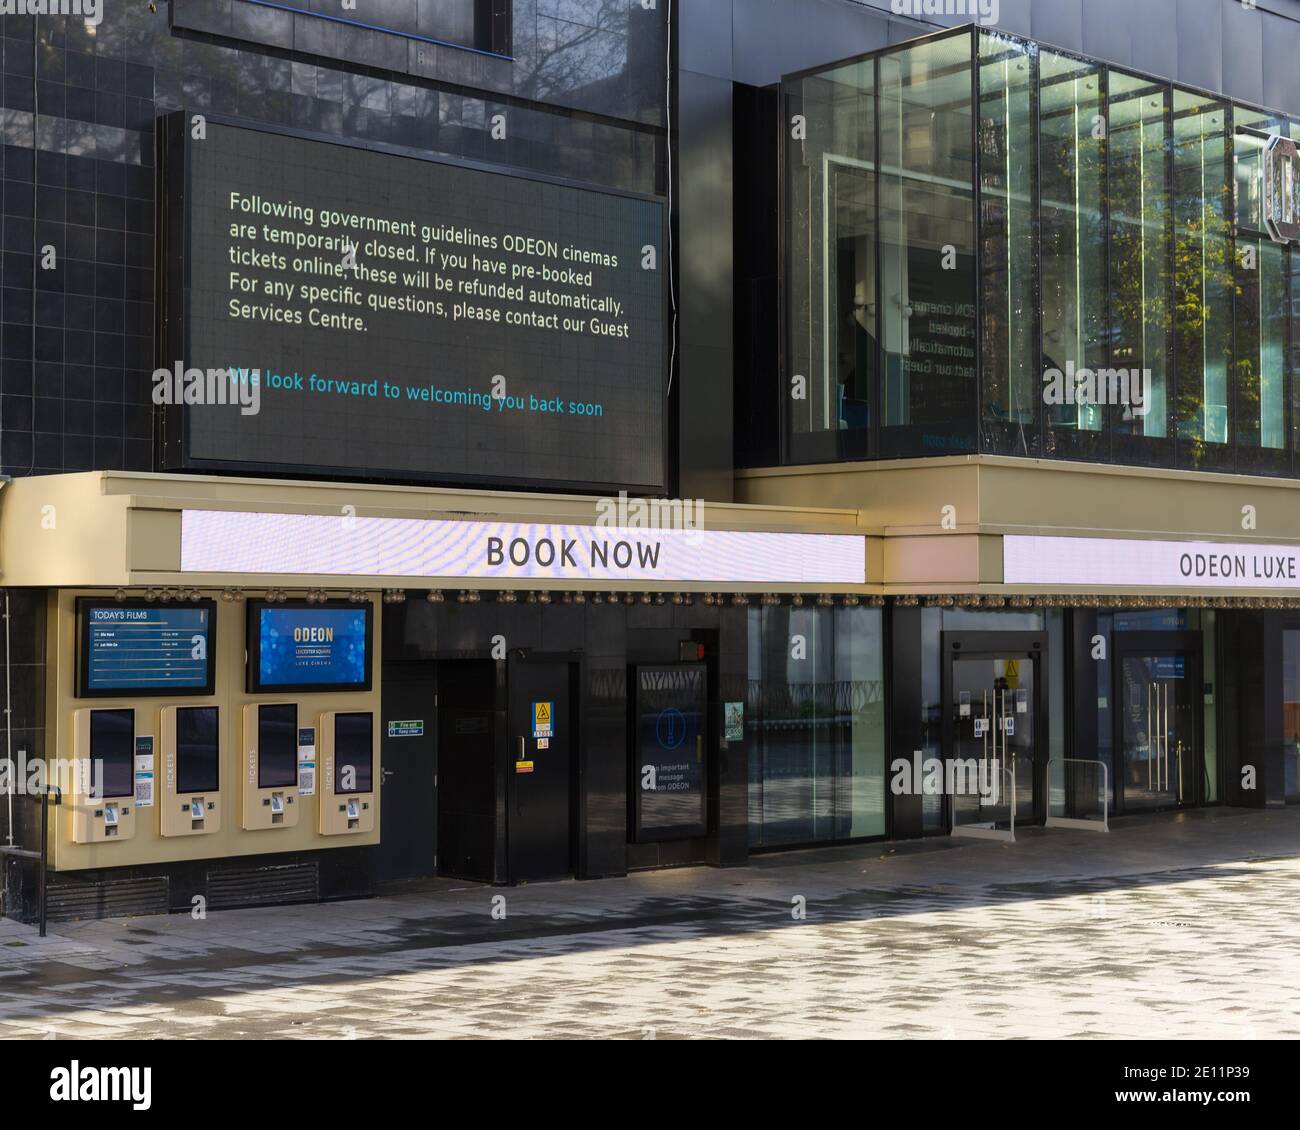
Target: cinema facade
[{"x": 313, "y": 656}]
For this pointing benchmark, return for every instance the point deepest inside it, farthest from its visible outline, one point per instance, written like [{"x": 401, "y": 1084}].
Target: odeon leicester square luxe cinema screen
[{"x": 380, "y": 315}]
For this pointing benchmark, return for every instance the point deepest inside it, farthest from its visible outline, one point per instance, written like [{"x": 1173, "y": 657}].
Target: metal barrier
[
  {"x": 988, "y": 831},
  {"x": 1075, "y": 770}
]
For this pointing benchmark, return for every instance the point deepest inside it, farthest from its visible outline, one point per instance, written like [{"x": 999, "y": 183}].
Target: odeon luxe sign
[
  {"x": 1129, "y": 563},
  {"x": 1282, "y": 189},
  {"x": 218, "y": 541}
]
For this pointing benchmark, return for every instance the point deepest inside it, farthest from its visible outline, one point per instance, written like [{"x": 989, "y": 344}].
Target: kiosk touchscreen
[
  {"x": 103, "y": 795},
  {"x": 190, "y": 800},
  {"x": 347, "y": 801},
  {"x": 271, "y": 770}
]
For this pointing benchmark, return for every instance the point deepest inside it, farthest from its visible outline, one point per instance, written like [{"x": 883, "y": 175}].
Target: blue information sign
[
  {"x": 303, "y": 647},
  {"x": 159, "y": 648}
]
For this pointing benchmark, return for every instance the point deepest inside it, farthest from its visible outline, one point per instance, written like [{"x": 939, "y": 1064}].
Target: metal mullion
[
  {"x": 876, "y": 393},
  {"x": 1036, "y": 203},
  {"x": 977, "y": 295}
]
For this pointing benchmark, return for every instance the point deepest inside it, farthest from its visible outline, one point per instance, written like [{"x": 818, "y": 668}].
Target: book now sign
[{"x": 218, "y": 541}]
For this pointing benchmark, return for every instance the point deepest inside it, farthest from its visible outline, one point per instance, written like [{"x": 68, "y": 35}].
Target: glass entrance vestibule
[{"x": 1087, "y": 710}]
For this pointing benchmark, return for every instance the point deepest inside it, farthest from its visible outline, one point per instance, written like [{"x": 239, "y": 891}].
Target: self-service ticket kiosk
[
  {"x": 189, "y": 802},
  {"x": 347, "y": 795},
  {"x": 271, "y": 765},
  {"x": 103, "y": 796}
]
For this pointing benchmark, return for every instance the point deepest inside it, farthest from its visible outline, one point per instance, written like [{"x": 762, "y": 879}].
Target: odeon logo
[{"x": 1282, "y": 189}]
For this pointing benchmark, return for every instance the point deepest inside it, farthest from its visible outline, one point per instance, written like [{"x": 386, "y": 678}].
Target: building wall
[{"x": 584, "y": 101}]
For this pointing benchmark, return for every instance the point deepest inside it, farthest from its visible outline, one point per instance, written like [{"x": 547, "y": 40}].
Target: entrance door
[
  {"x": 1159, "y": 721},
  {"x": 994, "y": 729},
  {"x": 408, "y": 808},
  {"x": 543, "y": 751},
  {"x": 466, "y": 776}
]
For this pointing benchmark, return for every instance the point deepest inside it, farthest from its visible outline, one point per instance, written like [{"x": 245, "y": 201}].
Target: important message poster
[{"x": 416, "y": 319}]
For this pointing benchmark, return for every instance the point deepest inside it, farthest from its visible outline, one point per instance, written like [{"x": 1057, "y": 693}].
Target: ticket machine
[
  {"x": 189, "y": 801},
  {"x": 347, "y": 792},
  {"x": 103, "y": 796},
  {"x": 270, "y": 773}
]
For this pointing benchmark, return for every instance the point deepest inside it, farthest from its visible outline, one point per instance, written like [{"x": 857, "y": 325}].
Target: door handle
[
  {"x": 384, "y": 774},
  {"x": 699, "y": 748}
]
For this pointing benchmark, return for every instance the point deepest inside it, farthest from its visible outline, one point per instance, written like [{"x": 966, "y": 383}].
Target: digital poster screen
[
  {"x": 386, "y": 316},
  {"x": 304, "y": 647},
  {"x": 133, "y": 646}
]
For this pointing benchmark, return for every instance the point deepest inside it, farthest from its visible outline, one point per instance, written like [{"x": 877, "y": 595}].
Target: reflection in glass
[
  {"x": 1291, "y": 713},
  {"x": 992, "y": 707},
  {"x": 1202, "y": 277},
  {"x": 1010, "y": 371},
  {"x": 1113, "y": 317},
  {"x": 1140, "y": 237},
  {"x": 1073, "y": 237},
  {"x": 831, "y": 272},
  {"x": 815, "y": 724},
  {"x": 1158, "y": 704},
  {"x": 1260, "y": 355},
  {"x": 927, "y": 249}
]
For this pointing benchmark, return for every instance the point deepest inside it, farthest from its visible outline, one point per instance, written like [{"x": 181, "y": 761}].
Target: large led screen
[{"x": 354, "y": 312}]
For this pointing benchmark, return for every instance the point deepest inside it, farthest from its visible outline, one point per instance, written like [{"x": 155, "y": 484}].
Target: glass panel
[
  {"x": 1106, "y": 704},
  {"x": 1073, "y": 246},
  {"x": 831, "y": 271},
  {"x": 1291, "y": 713},
  {"x": 1137, "y": 383},
  {"x": 851, "y": 274},
  {"x": 860, "y": 707},
  {"x": 815, "y": 725},
  {"x": 928, "y": 403},
  {"x": 1293, "y": 338},
  {"x": 1010, "y": 369},
  {"x": 1249, "y": 162},
  {"x": 1261, "y": 328},
  {"x": 1209, "y": 728},
  {"x": 1203, "y": 279},
  {"x": 992, "y": 710},
  {"x": 934, "y": 818}
]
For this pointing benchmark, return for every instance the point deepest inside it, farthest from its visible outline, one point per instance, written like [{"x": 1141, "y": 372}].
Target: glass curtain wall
[
  {"x": 815, "y": 722},
  {"x": 1119, "y": 302}
]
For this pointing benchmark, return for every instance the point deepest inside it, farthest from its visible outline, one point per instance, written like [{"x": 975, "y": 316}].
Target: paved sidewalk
[{"x": 1170, "y": 927}]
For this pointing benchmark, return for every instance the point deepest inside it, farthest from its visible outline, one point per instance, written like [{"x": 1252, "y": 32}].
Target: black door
[
  {"x": 466, "y": 781},
  {"x": 408, "y": 809},
  {"x": 543, "y": 747}
]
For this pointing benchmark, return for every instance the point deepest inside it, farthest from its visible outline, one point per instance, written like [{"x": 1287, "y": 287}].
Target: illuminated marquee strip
[
  {"x": 217, "y": 541},
  {"x": 1130, "y": 563}
]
